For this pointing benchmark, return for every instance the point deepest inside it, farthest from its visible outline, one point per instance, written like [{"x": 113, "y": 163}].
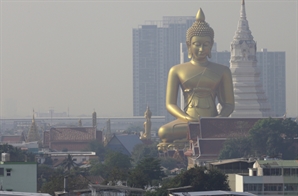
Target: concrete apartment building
[
  {"x": 268, "y": 177},
  {"x": 156, "y": 48},
  {"x": 18, "y": 176}
]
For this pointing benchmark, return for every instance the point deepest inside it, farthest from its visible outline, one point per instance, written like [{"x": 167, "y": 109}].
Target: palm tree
[{"x": 69, "y": 163}]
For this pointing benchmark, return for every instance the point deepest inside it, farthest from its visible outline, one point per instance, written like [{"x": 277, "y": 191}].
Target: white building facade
[
  {"x": 271, "y": 177},
  {"x": 250, "y": 98}
]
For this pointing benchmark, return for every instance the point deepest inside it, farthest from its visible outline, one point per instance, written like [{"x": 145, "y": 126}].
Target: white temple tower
[{"x": 250, "y": 98}]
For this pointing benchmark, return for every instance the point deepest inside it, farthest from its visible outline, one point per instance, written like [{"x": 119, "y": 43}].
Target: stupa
[{"x": 250, "y": 98}]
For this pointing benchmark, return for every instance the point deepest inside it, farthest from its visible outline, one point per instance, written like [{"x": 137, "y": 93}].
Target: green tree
[
  {"x": 274, "y": 136},
  {"x": 169, "y": 162},
  {"x": 147, "y": 170},
  {"x": 201, "y": 179},
  {"x": 117, "y": 159},
  {"x": 56, "y": 182},
  {"x": 268, "y": 137},
  {"x": 115, "y": 167},
  {"x": 16, "y": 154},
  {"x": 44, "y": 173},
  {"x": 97, "y": 147},
  {"x": 140, "y": 151},
  {"x": 69, "y": 163},
  {"x": 235, "y": 148}
]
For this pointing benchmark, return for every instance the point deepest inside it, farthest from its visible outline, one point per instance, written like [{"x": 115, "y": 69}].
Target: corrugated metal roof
[
  {"x": 8, "y": 193},
  {"x": 198, "y": 193},
  {"x": 226, "y": 161},
  {"x": 278, "y": 163}
]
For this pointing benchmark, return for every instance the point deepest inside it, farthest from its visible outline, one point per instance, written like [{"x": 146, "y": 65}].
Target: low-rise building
[
  {"x": 268, "y": 177},
  {"x": 18, "y": 176}
]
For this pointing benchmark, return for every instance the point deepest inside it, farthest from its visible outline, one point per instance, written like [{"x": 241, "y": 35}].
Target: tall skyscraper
[
  {"x": 156, "y": 48},
  {"x": 273, "y": 68}
]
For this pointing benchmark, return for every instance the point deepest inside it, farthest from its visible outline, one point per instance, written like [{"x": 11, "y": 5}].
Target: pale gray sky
[{"x": 78, "y": 54}]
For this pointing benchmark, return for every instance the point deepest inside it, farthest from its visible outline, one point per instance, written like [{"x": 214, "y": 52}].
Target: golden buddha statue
[
  {"x": 203, "y": 83},
  {"x": 147, "y": 125}
]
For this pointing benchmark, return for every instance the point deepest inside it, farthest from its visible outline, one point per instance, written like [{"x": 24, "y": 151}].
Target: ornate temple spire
[
  {"x": 242, "y": 12},
  {"x": 33, "y": 132},
  {"x": 94, "y": 119},
  {"x": 33, "y": 119},
  {"x": 250, "y": 98},
  {"x": 243, "y": 32}
]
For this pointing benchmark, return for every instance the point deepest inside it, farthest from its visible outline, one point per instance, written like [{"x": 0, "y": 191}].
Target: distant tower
[
  {"x": 94, "y": 119},
  {"x": 109, "y": 127},
  {"x": 33, "y": 132},
  {"x": 108, "y": 133},
  {"x": 250, "y": 98}
]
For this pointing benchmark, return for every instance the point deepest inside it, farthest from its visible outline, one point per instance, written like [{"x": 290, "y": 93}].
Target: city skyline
[{"x": 66, "y": 54}]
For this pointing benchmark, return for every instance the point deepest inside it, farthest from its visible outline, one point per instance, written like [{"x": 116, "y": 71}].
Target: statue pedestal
[{"x": 206, "y": 138}]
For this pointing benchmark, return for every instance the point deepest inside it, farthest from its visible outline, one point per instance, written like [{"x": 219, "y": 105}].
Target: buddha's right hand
[{"x": 191, "y": 119}]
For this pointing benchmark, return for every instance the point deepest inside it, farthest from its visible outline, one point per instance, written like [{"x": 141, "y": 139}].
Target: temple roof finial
[
  {"x": 33, "y": 119},
  {"x": 200, "y": 15}
]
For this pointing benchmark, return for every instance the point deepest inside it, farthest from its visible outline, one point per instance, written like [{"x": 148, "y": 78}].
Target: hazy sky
[{"x": 78, "y": 54}]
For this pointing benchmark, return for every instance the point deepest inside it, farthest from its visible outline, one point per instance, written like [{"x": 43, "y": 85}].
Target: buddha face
[{"x": 200, "y": 47}]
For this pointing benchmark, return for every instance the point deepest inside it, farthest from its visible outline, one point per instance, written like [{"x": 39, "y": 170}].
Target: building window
[
  {"x": 273, "y": 187},
  {"x": 253, "y": 187},
  {"x": 287, "y": 172},
  {"x": 8, "y": 172},
  {"x": 1, "y": 171},
  {"x": 272, "y": 172},
  {"x": 291, "y": 187}
]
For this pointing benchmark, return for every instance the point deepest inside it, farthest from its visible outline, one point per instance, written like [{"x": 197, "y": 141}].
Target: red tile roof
[
  {"x": 12, "y": 139},
  {"x": 70, "y": 138},
  {"x": 73, "y": 134}
]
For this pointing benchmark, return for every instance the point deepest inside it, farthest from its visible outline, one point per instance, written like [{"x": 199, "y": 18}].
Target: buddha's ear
[
  {"x": 189, "y": 55},
  {"x": 209, "y": 54},
  {"x": 187, "y": 44}
]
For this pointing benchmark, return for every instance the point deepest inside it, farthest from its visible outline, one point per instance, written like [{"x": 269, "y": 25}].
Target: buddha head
[{"x": 199, "y": 38}]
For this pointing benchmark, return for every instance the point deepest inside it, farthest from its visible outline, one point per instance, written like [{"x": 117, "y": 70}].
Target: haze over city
[{"x": 77, "y": 55}]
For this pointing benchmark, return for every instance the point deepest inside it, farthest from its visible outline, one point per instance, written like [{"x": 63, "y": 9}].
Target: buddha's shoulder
[
  {"x": 179, "y": 67},
  {"x": 218, "y": 67}
]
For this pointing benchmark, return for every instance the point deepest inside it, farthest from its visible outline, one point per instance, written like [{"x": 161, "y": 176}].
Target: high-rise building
[
  {"x": 273, "y": 68},
  {"x": 156, "y": 48}
]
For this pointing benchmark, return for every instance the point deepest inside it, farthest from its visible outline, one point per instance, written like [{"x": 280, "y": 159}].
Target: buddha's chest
[{"x": 206, "y": 78}]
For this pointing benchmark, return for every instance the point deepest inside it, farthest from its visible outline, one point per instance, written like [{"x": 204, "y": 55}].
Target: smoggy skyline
[{"x": 77, "y": 55}]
